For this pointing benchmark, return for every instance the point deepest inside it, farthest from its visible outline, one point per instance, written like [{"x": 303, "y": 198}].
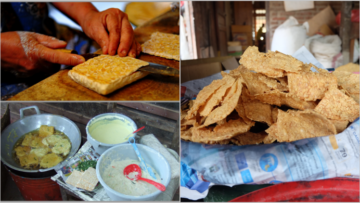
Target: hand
[
  {"x": 31, "y": 52},
  {"x": 120, "y": 39}
]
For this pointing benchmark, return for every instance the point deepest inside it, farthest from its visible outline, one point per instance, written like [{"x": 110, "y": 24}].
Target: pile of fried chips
[{"x": 277, "y": 92}]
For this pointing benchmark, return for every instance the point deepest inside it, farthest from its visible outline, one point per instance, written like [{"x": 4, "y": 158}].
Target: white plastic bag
[
  {"x": 325, "y": 48},
  {"x": 288, "y": 37}
]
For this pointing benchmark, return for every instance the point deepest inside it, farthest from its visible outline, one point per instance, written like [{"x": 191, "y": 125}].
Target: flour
[
  {"x": 29, "y": 45},
  {"x": 114, "y": 177}
]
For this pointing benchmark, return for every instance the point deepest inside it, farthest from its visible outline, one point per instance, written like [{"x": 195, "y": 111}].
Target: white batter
[
  {"x": 114, "y": 178},
  {"x": 111, "y": 131}
]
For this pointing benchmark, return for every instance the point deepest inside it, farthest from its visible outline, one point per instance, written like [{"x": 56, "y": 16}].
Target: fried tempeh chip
[
  {"x": 255, "y": 110},
  {"x": 249, "y": 138},
  {"x": 349, "y": 81},
  {"x": 280, "y": 98},
  {"x": 203, "y": 96},
  {"x": 241, "y": 111},
  {"x": 163, "y": 45},
  {"x": 186, "y": 134},
  {"x": 220, "y": 132},
  {"x": 310, "y": 86},
  {"x": 340, "y": 125},
  {"x": 272, "y": 64},
  {"x": 336, "y": 105},
  {"x": 228, "y": 105},
  {"x": 296, "y": 125},
  {"x": 217, "y": 97}
]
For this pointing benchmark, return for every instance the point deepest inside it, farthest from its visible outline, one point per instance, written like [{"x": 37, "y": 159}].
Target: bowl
[
  {"x": 105, "y": 119},
  {"x": 124, "y": 151}
]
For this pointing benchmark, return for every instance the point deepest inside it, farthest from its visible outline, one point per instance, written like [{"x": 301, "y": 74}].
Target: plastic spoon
[
  {"x": 135, "y": 132},
  {"x": 142, "y": 162},
  {"x": 135, "y": 169}
]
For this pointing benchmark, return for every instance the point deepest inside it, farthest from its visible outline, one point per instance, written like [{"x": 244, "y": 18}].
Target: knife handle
[{"x": 67, "y": 51}]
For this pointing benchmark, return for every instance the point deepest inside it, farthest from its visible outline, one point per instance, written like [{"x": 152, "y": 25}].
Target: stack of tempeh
[{"x": 284, "y": 93}]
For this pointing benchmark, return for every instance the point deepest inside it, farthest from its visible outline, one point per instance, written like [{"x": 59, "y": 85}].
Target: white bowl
[
  {"x": 124, "y": 151},
  {"x": 102, "y": 147}
]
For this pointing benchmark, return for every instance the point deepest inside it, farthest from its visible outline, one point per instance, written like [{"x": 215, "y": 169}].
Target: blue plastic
[{"x": 143, "y": 165}]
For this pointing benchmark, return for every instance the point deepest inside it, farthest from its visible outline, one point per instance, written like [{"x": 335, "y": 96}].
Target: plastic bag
[
  {"x": 288, "y": 37},
  {"x": 325, "y": 48},
  {"x": 354, "y": 16}
]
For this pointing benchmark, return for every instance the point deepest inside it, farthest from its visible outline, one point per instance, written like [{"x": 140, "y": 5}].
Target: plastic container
[
  {"x": 121, "y": 152},
  {"x": 102, "y": 147}
]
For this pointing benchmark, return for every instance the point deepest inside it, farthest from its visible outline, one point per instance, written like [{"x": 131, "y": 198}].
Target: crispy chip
[
  {"x": 249, "y": 138},
  {"x": 203, "y": 96},
  {"x": 310, "y": 86},
  {"x": 241, "y": 111},
  {"x": 228, "y": 105},
  {"x": 340, "y": 125},
  {"x": 272, "y": 64},
  {"x": 252, "y": 81},
  {"x": 255, "y": 110},
  {"x": 349, "y": 82},
  {"x": 297, "y": 125},
  {"x": 336, "y": 105},
  {"x": 217, "y": 97},
  {"x": 186, "y": 134},
  {"x": 163, "y": 45},
  {"x": 355, "y": 96},
  {"x": 272, "y": 130},
  {"x": 280, "y": 98},
  {"x": 273, "y": 83},
  {"x": 274, "y": 114},
  {"x": 220, "y": 132}
]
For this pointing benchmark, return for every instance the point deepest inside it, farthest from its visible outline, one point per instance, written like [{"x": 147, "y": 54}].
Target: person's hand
[
  {"x": 111, "y": 29},
  {"x": 31, "y": 52}
]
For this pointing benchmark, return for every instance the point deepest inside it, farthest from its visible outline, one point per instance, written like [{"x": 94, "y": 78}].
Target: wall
[{"x": 277, "y": 13}]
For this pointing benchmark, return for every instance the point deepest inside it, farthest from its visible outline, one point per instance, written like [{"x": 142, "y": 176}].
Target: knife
[{"x": 152, "y": 67}]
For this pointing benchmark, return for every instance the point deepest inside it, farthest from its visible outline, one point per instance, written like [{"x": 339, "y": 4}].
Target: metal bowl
[{"x": 16, "y": 130}]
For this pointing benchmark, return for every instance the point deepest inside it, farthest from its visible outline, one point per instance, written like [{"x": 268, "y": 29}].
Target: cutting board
[{"x": 60, "y": 87}]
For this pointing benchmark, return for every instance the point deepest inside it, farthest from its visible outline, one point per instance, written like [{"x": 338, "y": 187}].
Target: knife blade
[{"x": 152, "y": 67}]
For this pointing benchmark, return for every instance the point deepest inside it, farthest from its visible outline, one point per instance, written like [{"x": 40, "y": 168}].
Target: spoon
[
  {"x": 134, "y": 132},
  {"x": 135, "y": 169},
  {"x": 142, "y": 162}
]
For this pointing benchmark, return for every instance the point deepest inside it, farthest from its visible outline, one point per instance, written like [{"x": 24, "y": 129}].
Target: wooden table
[{"x": 60, "y": 87}]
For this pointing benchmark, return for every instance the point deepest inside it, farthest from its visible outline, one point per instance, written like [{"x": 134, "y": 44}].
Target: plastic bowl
[
  {"x": 102, "y": 147},
  {"x": 121, "y": 152}
]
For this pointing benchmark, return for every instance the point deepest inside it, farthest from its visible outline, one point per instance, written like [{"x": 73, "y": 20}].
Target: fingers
[
  {"x": 138, "y": 48},
  {"x": 114, "y": 26},
  {"x": 54, "y": 56},
  {"x": 126, "y": 37},
  {"x": 50, "y": 42},
  {"x": 132, "y": 52},
  {"x": 102, "y": 39}
]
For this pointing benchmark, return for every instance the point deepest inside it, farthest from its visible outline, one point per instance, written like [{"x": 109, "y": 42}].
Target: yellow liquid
[{"x": 111, "y": 131}]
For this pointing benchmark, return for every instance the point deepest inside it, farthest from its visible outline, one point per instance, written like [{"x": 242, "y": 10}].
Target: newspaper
[
  {"x": 87, "y": 152},
  {"x": 203, "y": 166}
]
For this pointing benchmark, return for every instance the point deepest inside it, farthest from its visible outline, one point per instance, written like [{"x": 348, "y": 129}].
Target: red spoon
[
  {"x": 135, "y": 132},
  {"x": 135, "y": 169}
]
